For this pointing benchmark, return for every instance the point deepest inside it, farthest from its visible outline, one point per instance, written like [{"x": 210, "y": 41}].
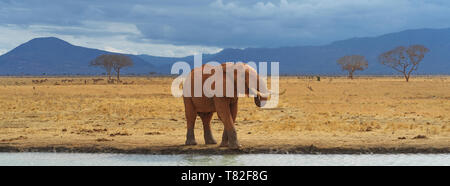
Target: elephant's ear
[
  {"x": 252, "y": 81},
  {"x": 256, "y": 82}
]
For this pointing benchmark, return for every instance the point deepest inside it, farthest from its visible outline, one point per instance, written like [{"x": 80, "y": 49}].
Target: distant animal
[
  {"x": 128, "y": 83},
  {"x": 226, "y": 107},
  {"x": 112, "y": 81},
  {"x": 37, "y": 81},
  {"x": 97, "y": 80},
  {"x": 67, "y": 80}
]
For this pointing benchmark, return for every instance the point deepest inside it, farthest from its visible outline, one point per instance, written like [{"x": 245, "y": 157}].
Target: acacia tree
[
  {"x": 112, "y": 61},
  {"x": 404, "y": 60},
  {"x": 120, "y": 61},
  {"x": 104, "y": 62},
  {"x": 352, "y": 63}
]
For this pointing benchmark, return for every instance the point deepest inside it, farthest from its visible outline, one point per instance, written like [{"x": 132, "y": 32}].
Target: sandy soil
[{"x": 334, "y": 115}]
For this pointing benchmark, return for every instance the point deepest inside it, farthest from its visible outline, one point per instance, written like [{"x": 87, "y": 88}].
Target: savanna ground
[{"x": 334, "y": 115}]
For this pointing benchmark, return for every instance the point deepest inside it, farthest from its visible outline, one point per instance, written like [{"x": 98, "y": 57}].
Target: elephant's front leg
[
  {"x": 224, "y": 111},
  {"x": 224, "y": 142},
  {"x": 234, "y": 109},
  {"x": 190, "y": 118}
]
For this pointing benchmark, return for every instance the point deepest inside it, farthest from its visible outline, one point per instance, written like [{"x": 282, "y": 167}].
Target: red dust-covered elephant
[{"x": 226, "y": 106}]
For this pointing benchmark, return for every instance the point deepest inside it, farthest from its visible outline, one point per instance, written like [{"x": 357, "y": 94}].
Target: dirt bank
[{"x": 214, "y": 151}]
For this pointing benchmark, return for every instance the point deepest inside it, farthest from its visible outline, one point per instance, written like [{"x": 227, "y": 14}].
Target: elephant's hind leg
[
  {"x": 206, "y": 119},
  {"x": 191, "y": 115}
]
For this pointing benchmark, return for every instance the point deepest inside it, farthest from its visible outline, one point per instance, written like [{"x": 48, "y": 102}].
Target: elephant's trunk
[
  {"x": 258, "y": 102},
  {"x": 260, "y": 98},
  {"x": 259, "y": 90}
]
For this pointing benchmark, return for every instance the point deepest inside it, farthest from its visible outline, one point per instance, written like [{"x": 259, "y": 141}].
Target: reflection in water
[
  {"x": 243, "y": 159},
  {"x": 197, "y": 160}
]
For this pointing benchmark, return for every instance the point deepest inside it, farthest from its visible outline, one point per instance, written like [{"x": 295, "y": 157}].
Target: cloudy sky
[{"x": 181, "y": 27}]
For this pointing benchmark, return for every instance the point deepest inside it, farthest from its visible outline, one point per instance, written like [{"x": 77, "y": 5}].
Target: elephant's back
[{"x": 190, "y": 86}]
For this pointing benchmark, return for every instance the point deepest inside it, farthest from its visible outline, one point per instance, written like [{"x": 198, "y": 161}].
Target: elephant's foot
[
  {"x": 190, "y": 137},
  {"x": 232, "y": 140},
  {"x": 191, "y": 142},
  {"x": 234, "y": 145},
  {"x": 210, "y": 141},
  {"x": 224, "y": 144},
  {"x": 231, "y": 145}
]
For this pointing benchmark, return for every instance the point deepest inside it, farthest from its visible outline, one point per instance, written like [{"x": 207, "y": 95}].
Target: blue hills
[
  {"x": 322, "y": 59},
  {"x": 54, "y": 56}
]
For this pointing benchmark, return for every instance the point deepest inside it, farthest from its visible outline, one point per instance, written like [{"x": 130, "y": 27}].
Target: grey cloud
[{"x": 229, "y": 23}]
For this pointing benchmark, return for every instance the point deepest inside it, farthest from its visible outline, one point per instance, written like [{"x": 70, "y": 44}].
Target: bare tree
[
  {"x": 104, "y": 61},
  {"x": 404, "y": 60},
  {"x": 352, "y": 63},
  {"x": 120, "y": 61},
  {"x": 112, "y": 61}
]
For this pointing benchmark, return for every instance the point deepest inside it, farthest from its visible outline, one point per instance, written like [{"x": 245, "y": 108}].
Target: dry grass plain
[{"x": 334, "y": 115}]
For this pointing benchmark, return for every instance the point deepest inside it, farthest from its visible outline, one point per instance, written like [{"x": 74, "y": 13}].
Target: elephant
[{"x": 226, "y": 106}]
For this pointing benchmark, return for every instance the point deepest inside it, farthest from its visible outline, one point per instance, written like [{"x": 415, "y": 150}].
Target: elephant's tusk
[
  {"x": 254, "y": 92},
  {"x": 275, "y": 93},
  {"x": 266, "y": 95}
]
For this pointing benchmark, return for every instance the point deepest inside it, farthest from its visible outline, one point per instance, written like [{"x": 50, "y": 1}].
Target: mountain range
[{"x": 53, "y": 56}]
